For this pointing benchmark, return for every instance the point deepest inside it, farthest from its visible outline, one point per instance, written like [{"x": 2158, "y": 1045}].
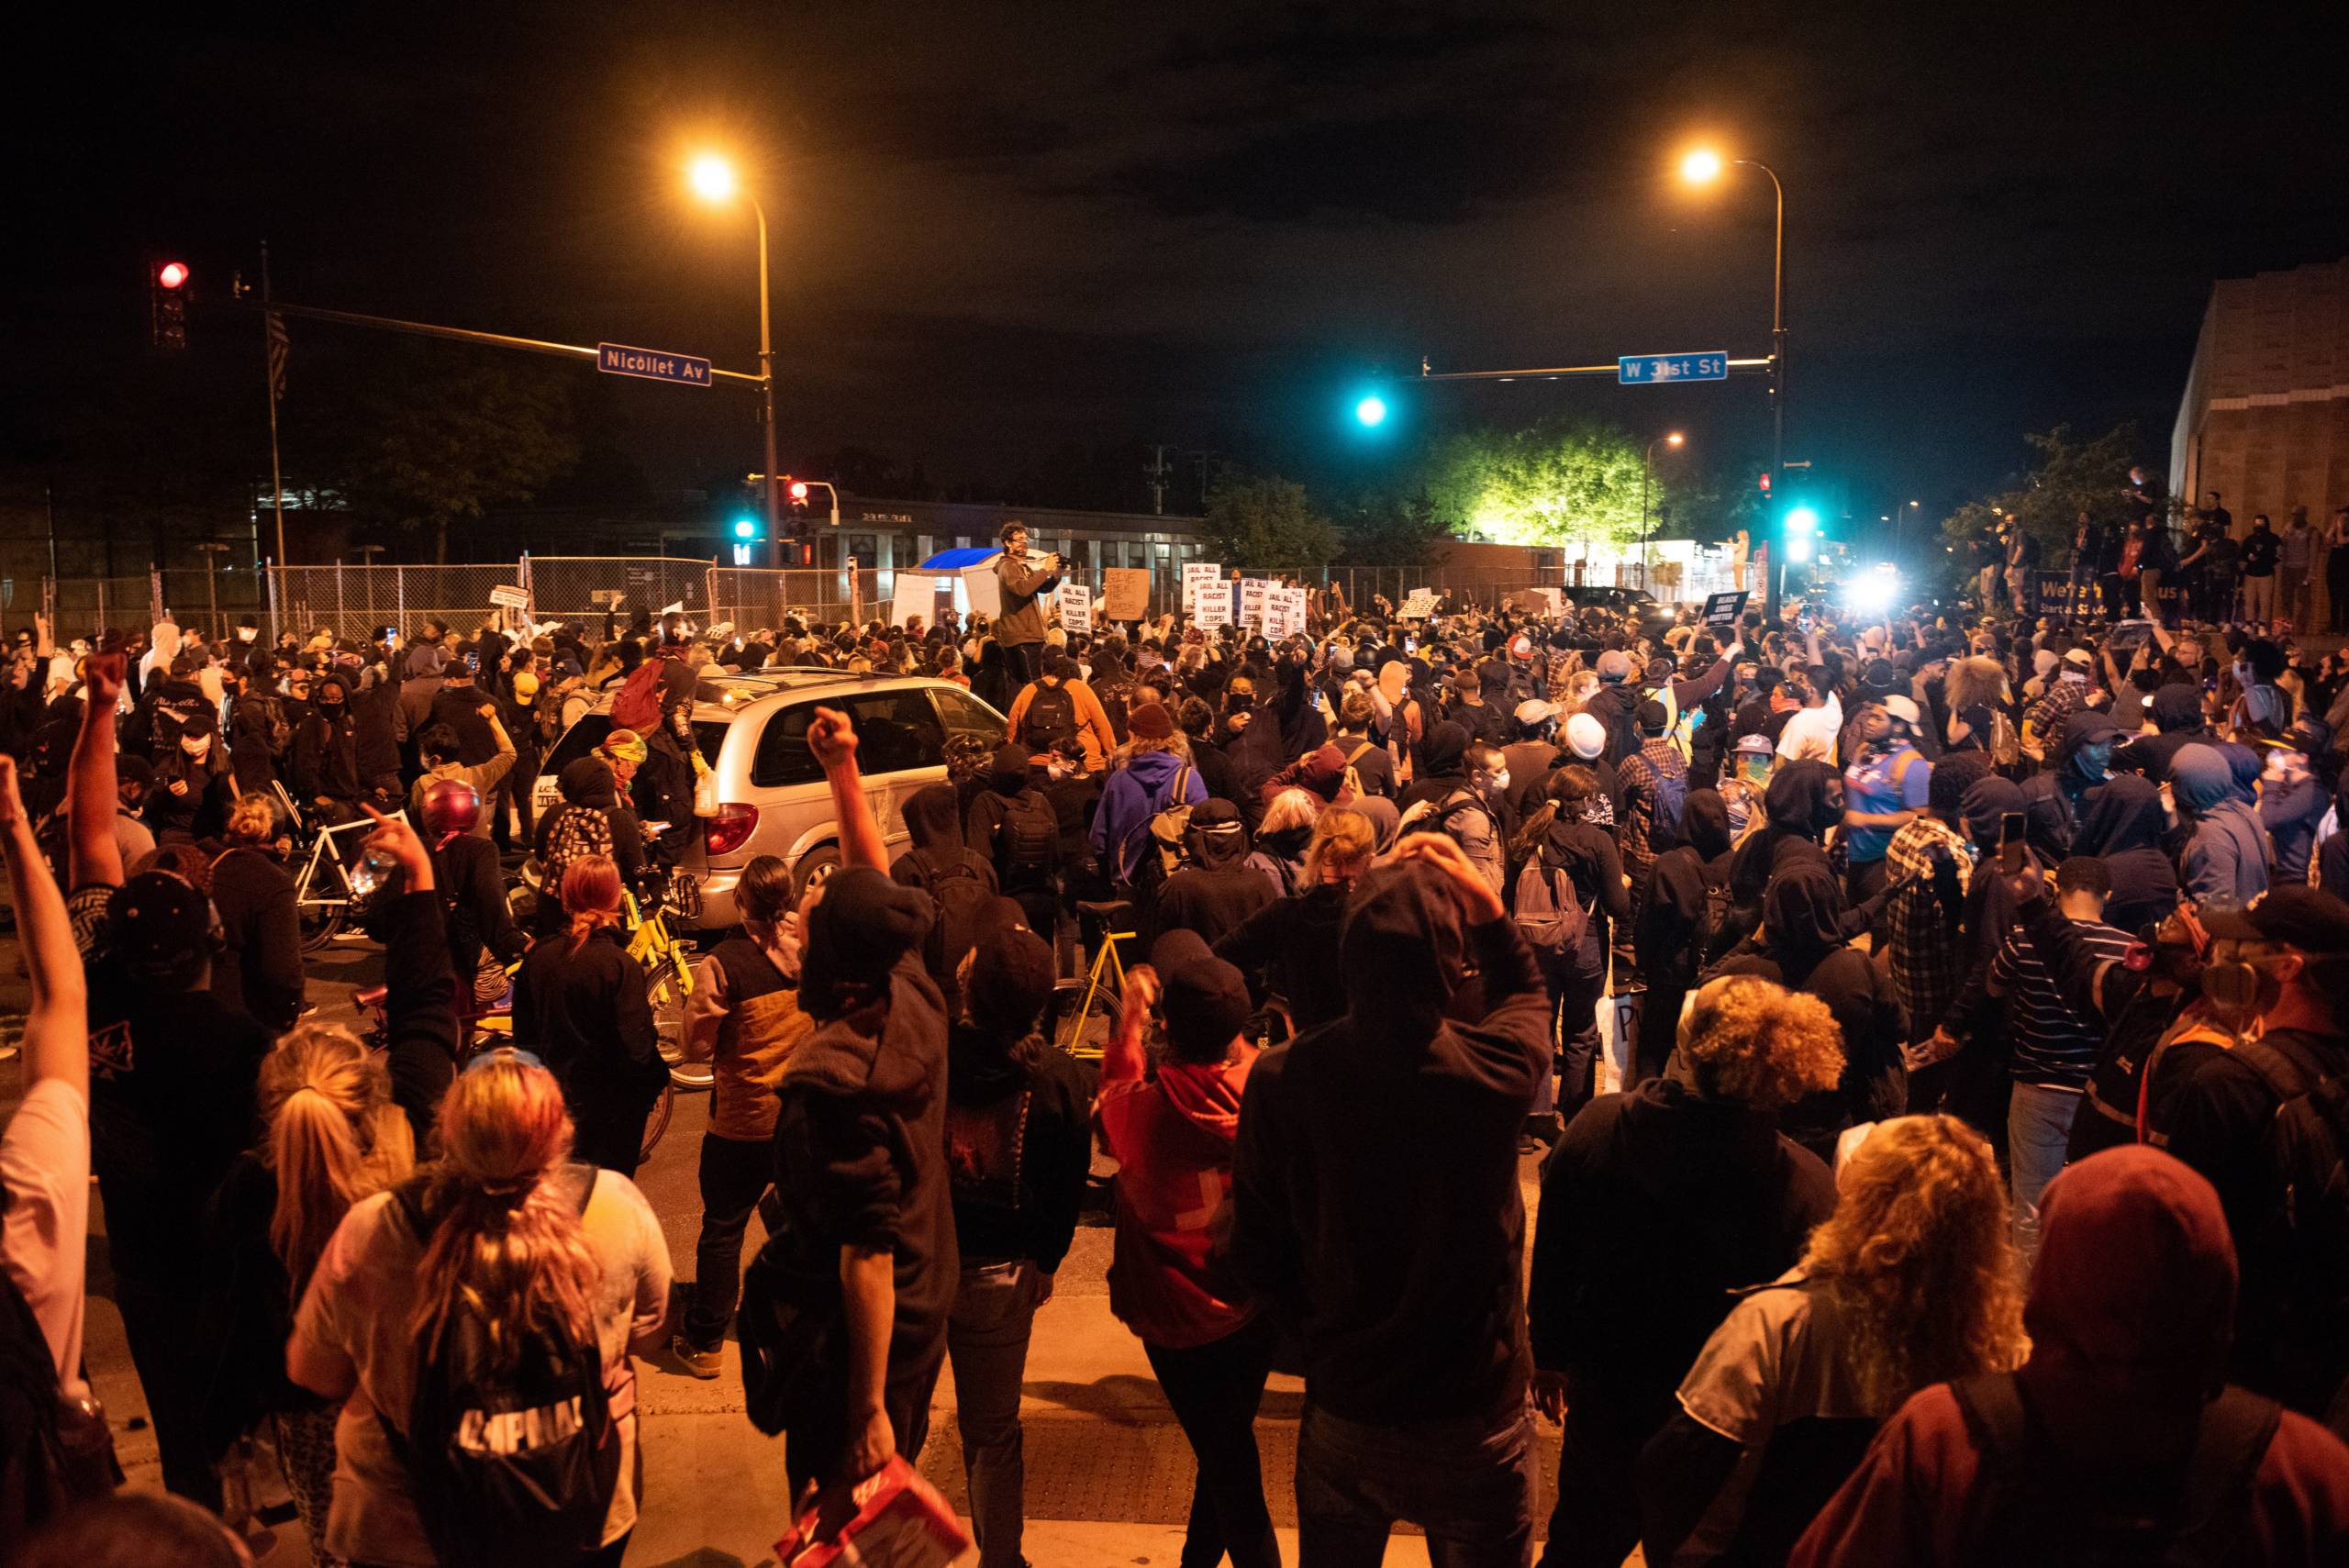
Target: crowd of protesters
[{"x": 1919, "y": 1033}]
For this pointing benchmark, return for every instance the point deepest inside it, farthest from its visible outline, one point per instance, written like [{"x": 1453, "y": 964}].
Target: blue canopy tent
[
  {"x": 955, "y": 559},
  {"x": 967, "y": 573}
]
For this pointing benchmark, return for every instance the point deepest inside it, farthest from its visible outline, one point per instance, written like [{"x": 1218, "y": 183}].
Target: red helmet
[{"x": 451, "y": 806}]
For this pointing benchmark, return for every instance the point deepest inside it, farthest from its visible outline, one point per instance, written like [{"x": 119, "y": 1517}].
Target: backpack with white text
[
  {"x": 578, "y": 831},
  {"x": 513, "y": 1459}
]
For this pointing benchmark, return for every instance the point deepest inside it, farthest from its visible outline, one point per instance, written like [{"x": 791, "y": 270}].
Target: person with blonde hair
[
  {"x": 580, "y": 1002},
  {"x": 331, "y": 1136},
  {"x": 504, "y": 1249},
  {"x": 1911, "y": 1282},
  {"x": 259, "y": 969},
  {"x": 1656, "y": 1203},
  {"x": 1289, "y": 948}
]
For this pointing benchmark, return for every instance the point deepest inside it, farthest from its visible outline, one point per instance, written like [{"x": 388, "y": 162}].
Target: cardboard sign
[
  {"x": 1076, "y": 607},
  {"x": 510, "y": 599},
  {"x": 1125, "y": 592},
  {"x": 1535, "y": 601},
  {"x": 1419, "y": 606},
  {"x": 1723, "y": 609}
]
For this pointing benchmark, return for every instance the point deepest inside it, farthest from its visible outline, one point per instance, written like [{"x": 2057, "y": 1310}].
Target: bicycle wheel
[
  {"x": 658, "y": 1122},
  {"x": 667, "y": 998},
  {"x": 1086, "y": 1036},
  {"x": 316, "y": 919}
]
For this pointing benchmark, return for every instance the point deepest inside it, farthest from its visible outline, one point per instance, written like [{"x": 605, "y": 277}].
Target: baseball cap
[
  {"x": 1614, "y": 665},
  {"x": 1756, "y": 745},
  {"x": 1903, "y": 708},
  {"x": 1533, "y": 710},
  {"x": 2294, "y": 915},
  {"x": 160, "y": 927},
  {"x": 2079, "y": 659},
  {"x": 1585, "y": 737}
]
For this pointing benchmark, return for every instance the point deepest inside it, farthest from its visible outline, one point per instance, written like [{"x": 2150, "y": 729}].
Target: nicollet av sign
[{"x": 653, "y": 364}]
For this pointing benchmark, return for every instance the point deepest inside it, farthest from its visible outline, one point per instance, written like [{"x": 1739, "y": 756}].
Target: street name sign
[
  {"x": 1654, "y": 369},
  {"x": 651, "y": 364}
]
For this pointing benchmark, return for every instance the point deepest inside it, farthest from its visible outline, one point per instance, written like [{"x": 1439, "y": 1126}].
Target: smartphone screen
[{"x": 2010, "y": 842}]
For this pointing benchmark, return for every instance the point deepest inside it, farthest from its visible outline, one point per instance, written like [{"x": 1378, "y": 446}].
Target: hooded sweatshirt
[
  {"x": 1375, "y": 1201},
  {"x": 2122, "y": 826},
  {"x": 1171, "y": 1135},
  {"x": 2130, "y": 1312},
  {"x": 1136, "y": 792},
  {"x": 587, "y": 784},
  {"x": 2176, "y": 712},
  {"x": 2059, "y": 794},
  {"x": 2225, "y": 859},
  {"x": 1655, "y": 1206},
  {"x": 861, "y": 1142}
]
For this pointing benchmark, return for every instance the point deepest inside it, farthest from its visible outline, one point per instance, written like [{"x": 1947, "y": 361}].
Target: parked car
[
  {"x": 1655, "y": 618},
  {"x": 766, "y": 794}
]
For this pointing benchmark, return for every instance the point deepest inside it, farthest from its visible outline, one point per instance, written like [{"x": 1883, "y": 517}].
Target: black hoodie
[
  {"x": 1375, "y": 1202},
  {"x": 2122, "y": 825}
]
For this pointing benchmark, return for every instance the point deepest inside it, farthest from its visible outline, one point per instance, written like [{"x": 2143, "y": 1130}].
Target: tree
[
  {"x": 1388, "y": 529},
  {"x": 1266, "y": 522},
  {"x": 455, "y": 434},
  {"x": 2070, "y": 476},
  {"x": 1557, "y": 484}
]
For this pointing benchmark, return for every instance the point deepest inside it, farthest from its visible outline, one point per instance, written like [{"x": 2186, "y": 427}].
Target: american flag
[{"x": 276, "y": 327}]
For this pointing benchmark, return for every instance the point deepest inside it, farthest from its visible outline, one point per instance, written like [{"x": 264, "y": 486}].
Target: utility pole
[
  {"x": 269, "y": 329},
  {"x": 1157, "y": 471}
]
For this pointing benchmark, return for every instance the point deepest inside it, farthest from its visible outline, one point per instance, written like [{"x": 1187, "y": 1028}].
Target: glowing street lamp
[
  {"x": 712, "y": 179},
  {"x": 1701, "y": 166},
  {"x": 1647, "y": 481}
]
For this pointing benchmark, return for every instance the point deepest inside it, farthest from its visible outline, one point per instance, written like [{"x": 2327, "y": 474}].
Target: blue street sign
[
  {"x": 1653, "y": 370},
  {"x": 653, "y": 364}
]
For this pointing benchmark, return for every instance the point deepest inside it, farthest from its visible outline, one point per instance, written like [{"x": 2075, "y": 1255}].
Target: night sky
[{"x": 1003, "y": 230}]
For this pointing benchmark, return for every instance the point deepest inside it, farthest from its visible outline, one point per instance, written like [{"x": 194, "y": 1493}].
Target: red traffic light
[
  {"x": 1766, "y": 482},
  {"x": 799, "y": 490},
  {"x": 172, "y": 274}
]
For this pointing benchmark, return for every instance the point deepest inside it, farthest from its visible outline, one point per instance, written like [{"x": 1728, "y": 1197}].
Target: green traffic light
[
  {"x": 1802, "y": 521},
  {"x": 1372, "y": 410},
  {"x": 746, "y": 527}
]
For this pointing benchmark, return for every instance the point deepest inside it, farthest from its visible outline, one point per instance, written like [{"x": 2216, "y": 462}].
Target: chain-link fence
[
  {"x": 753, "y": 597},
  {"x": 580, "y": 590},
  {"x": 79, "y": 605},
  {"x": 353, "y": 601}
]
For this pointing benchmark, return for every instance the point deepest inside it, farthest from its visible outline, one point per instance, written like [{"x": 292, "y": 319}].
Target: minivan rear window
[{"x": 895, "y": 732}]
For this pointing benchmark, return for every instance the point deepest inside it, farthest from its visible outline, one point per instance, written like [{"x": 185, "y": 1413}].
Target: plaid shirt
[
  {"x": 1928, "y": 961},
  {"x": 2064, "y": 699},
  {"x": 1643, "y": 773}
]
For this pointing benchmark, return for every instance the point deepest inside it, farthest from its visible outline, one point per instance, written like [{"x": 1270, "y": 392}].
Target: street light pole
[
  {"x": 1647, "y": 484},
  {"x": 1777, "y": 383},
  {"x": 767, "y": 386}
]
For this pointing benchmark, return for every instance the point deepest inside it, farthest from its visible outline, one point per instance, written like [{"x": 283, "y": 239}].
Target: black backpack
[
  {"x": 1050, "y": 718},
  {"x": 1026, "y": 841},
  {"x": 513, "y": 1464},
  {"x": 962, "y": 900},
  {"x": 2030, "y": 1506},
  {"x": 52, "y": 1454},
  {"x": 2307, "y": 1228}
]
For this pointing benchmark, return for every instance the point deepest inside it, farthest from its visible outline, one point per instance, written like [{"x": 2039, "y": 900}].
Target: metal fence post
[{"x": 340, "y": 619}]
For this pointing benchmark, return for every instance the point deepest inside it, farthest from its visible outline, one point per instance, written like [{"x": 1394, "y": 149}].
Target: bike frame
[{"x": 321, "y": 841}]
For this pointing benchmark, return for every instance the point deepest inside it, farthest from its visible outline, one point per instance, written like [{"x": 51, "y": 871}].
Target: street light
[
  {"x": 1647, "y": 481},
  {"x": 1702, "y": 166},
  {"x": 713, "y": 179}
]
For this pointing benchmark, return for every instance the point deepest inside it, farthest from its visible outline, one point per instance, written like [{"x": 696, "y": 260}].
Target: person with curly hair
[
  {"x": 1911, "y": 1282},
  {"x": 1655, "y": 1204}
]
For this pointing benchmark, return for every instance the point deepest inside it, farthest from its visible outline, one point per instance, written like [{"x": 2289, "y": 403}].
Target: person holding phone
[{"x": 1019, "y": 625}]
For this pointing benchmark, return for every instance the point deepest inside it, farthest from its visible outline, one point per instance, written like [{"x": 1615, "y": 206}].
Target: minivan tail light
[{"x": 730, "y": 828}]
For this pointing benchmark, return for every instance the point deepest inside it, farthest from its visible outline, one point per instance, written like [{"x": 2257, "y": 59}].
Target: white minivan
[{"x": 770, "y": 798}]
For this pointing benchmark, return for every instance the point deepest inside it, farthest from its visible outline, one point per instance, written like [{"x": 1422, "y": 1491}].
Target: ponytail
[
  {"x": 591, "y": 896},
  {"x": 317, "y": 1156},
  {"x": 334, "y": 1136}
]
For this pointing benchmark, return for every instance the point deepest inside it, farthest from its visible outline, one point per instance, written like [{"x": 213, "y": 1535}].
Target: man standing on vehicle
[{"x": 1019, "y": 625}]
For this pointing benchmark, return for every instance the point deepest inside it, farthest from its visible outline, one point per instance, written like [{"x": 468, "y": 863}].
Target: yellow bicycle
[{"x": 1086, "y": 1009}]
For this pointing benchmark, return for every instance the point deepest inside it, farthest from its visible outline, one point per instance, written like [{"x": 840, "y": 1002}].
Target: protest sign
[
  {"x": 1076, "y": 607},
  {"x": 1125, "y": 592}
]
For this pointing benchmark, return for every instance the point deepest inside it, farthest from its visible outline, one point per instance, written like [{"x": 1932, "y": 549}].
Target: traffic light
[
  {"x": 798, "y": 492},
  {"x": 746, "y": 528},
  {"x": 1766, "y": 482},
  {"x": 1802, "y": 521},
  {"x": 1371, "y": 411},
  {"x": 167, "y": 292}
]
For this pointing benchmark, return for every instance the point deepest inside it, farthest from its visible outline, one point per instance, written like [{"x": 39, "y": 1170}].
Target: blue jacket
[{"x": 1136, "y": 792}]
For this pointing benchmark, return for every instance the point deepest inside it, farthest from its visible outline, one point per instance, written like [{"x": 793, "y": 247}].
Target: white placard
[
  {"x": 1284, "y": 612},
  {"x": 510, "y": 599},
  {"x": 916, "y": 594},
  {"x": 1255, "y": 596},
  {"x": 1212, "y": 608},
  {"x": 1419, "y": 606},
  {"x": 1076, "y": 607},
  {"x": 1197, "y": 574}
]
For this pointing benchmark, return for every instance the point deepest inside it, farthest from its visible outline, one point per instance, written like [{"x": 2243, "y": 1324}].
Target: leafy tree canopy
[
  {"x": 1557, "y": 484},
  {"x": 2067, "y": 476},
  {"x": 1266, "y": 522}
]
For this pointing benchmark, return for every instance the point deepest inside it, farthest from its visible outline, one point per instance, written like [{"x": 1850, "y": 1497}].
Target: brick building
[{"x": 2265, "y": 419}]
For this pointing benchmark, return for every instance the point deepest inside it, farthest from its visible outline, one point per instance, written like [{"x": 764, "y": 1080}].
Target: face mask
[
  {"x": 195, "y": 745},
  {"x": 1498, "y": 782}
]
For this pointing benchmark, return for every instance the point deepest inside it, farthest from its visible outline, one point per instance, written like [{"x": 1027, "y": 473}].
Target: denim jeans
[
  {"x": 734, "y": 1175},
  {"x": 1469, "y": 1483},
  {"x": 2039, "y": 1129},
  {"x": 986, "y": 1341},
  {"x": 1214, "y": 1390}
]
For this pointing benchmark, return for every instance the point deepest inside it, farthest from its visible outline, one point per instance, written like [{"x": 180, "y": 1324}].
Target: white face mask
[
  {"x": 1498, "y": 783},
  {"x": 195, "y": 745}
]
